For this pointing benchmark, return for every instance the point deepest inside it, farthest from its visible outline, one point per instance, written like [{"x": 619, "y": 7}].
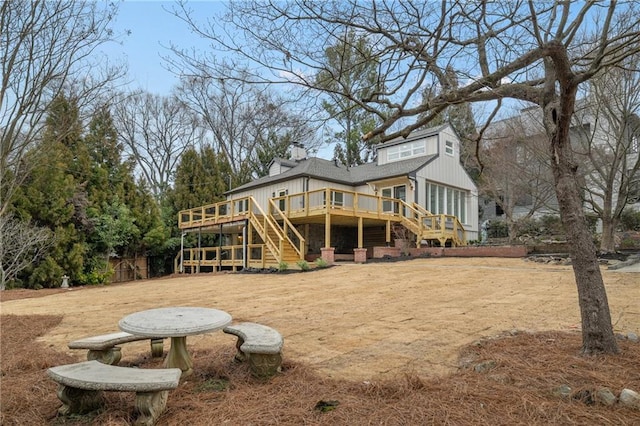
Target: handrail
[
  {"x": 421, "y": 209},
  {"x": 271, "y": 245},
  {"x": 421, "y": 222},
  {"x": 290, "y": 226}
]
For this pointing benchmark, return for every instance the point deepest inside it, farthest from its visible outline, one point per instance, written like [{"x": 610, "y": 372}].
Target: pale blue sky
[{"x": 152, "y": 29}]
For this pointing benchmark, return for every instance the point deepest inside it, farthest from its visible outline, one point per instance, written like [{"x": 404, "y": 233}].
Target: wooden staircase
[
  {"x": 427, "y": 226},
  {"x": 279, "y": 245}
]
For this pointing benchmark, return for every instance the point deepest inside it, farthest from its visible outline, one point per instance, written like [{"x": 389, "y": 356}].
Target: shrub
[
  {"x": 630, "y": 221},
  {"x": 283, "y": 266},
  {"x": 303, "y": 264},
  {"x": 321, "y": 263}
]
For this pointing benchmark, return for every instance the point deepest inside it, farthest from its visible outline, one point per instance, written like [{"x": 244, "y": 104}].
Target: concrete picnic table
[{"x": 176, "y": 323}]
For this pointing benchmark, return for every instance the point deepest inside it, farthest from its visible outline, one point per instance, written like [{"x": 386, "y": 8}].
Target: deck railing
[{"x": 418, "y": 220}]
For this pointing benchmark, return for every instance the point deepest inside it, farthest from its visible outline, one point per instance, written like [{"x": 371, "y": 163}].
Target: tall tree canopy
[
  {"x": 352, "y": 67},
  {"x": 46, "y": 48},
  {"x": 538, "y": 52}
]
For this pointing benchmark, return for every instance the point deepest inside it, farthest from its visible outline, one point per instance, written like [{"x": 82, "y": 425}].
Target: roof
[
  {"x": 339, "y": 173},
  {"x": 419, "y": 134}
]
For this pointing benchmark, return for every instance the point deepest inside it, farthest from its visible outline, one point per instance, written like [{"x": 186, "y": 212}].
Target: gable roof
[
  {"x": 418, "y": 134},
  {"x": 331, "y": 171}
]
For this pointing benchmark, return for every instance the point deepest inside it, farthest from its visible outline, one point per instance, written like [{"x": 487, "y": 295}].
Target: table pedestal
[{"x": 178, "y": 356}]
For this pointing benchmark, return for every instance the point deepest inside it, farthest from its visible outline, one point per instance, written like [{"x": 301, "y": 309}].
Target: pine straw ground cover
[{"x": 518, "y": 390}]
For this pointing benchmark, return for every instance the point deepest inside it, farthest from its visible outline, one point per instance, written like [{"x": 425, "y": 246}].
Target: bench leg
[
  {"x": 157, "y": 348},
  {"x": 110, "y": 356},
  {"x": 78, "y": 401},
  {"x": 149, "y": 407},
  {"x": 179, "y": 357},
  {"x": 264, "y": 366},
  {"x": 240, "y": 356}
]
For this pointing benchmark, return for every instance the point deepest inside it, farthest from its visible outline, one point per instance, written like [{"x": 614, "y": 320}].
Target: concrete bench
[
  {"x": 104, "y": 347},
  {"x": 81, "y": 385},
  {"x": 260, "y": 345}
]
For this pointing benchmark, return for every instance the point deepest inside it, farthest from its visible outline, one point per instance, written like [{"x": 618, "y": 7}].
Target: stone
[
  {"x": 483, "y": 367},
  {"x": 632, "y": 337},
  {"x": 630, "y": 398},
  {"x": 562, "y": 391},
  {"x": 604, "y": 396}
]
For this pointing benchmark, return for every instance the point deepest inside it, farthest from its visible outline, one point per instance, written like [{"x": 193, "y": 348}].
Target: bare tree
[
  {"x": 607, "y": 127},
  {"x": 46, "y": 48},
  {"x": 537, "y": 52},
  {"x": 156, "y": 130},
  {"x": 21, "y": 245},
  {"x": 243, "y": 120},
  {"x": 516, "y": 173}
]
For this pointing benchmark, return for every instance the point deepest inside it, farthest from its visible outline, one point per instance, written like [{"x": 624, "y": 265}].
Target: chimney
[{"x": 298, "y": 152}]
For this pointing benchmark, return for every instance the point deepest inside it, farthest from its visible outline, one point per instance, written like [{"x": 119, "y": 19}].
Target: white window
[
  {"x": 449, "y": 148},
  {"x": 282, "y": 202},
  {"x": 406, "y": 150},
  {"x": 399, "y": 192},
  {"x": 446, "y": 200}
]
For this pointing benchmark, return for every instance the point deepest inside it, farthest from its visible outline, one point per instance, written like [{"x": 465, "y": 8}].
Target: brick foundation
[
  {"x": 328, "y": 254},
  {"x": 360, "y": 255},
  {"x": 470, "y": 251},
  {"x": 380, "y": 252}
]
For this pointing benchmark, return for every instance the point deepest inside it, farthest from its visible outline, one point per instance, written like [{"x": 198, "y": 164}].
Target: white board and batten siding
[{"x": 262, "y": 194}]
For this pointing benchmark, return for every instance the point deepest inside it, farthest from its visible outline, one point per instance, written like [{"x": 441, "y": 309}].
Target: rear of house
[{"x": 416, "y": 185}]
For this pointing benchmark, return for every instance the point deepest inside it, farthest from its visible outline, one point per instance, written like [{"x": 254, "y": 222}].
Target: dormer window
[
  {"x": 449, "y": 148},
  {"x": 406, "y": 150}
]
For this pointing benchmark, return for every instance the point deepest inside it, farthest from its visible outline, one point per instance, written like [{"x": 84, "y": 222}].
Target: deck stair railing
[{"x": 282, "y": 240}]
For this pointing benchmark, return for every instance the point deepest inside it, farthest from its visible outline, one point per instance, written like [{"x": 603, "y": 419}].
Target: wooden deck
[{"x": 277, "y": 225}]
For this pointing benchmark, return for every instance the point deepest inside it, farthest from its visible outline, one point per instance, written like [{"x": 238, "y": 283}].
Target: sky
[
  {"x": 151, "y": 29},
  {"x": 145, "y": 29}
]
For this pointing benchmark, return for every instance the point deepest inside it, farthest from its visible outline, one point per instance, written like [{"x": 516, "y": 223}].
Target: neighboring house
[
  {"x": 311, "y": 207},
  {"x": 606, "y": 159}
]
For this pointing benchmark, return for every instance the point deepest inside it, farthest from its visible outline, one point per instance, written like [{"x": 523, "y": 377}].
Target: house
[
  {"x": 606, "y": 149},
  {"x": 310, "y": 207}
]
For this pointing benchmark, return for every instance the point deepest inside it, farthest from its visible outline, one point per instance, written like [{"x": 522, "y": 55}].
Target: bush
[
  {"x": 303, "y": 265},
  {"x": 95, "y": 277},
  {"x": 283, "y": 266},
  {"x": 321, "y": 263},
  {"x": 630, "y": 221},
  {"x": 498, "y": 229}
]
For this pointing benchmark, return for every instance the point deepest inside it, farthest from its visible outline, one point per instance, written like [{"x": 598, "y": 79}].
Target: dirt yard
[{"x": 355, "y": 322}]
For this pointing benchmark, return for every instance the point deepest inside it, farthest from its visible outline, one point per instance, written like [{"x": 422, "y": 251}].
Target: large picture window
[
  {"x": 446, "y": 200},
  {"x": 406, "y": 150}
]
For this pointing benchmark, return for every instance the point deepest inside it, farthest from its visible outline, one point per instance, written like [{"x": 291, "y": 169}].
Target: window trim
[
  {"x": 449, "y": 148},
  {"x": 406, "y": 150}
]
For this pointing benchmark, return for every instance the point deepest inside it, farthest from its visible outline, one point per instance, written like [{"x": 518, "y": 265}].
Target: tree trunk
[
  {"x": 607, "y": 244},
  {"x": 597, "y": 330}
]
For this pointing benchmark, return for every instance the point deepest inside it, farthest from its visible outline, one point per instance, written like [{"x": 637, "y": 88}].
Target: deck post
[
  {"x": 306, "y": 238},
  {"x": 327, "y": 231},
  {"x": 360, "y": 232},
  {"x": 388, "y": 232},
  {"x": 199, "y": 247},
  {"x": 245, "y": 235}
]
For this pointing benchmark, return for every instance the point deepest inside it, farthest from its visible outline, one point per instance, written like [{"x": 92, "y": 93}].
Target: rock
[
  {"x": 562, "y": 391},
  {"x": 633, "y": 337},
  {"x": 501, "y": 378},
  {"x": 483, "y": 367},
  {"x": 630, "y": 398},
  {"x": 604, "y": 396}
]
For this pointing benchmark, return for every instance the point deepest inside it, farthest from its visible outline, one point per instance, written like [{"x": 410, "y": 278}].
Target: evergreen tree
[
  {"x": 201, "y": 178},
  {"x": 350, "y": 64},
  {"x": 55, "y": 198}
]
